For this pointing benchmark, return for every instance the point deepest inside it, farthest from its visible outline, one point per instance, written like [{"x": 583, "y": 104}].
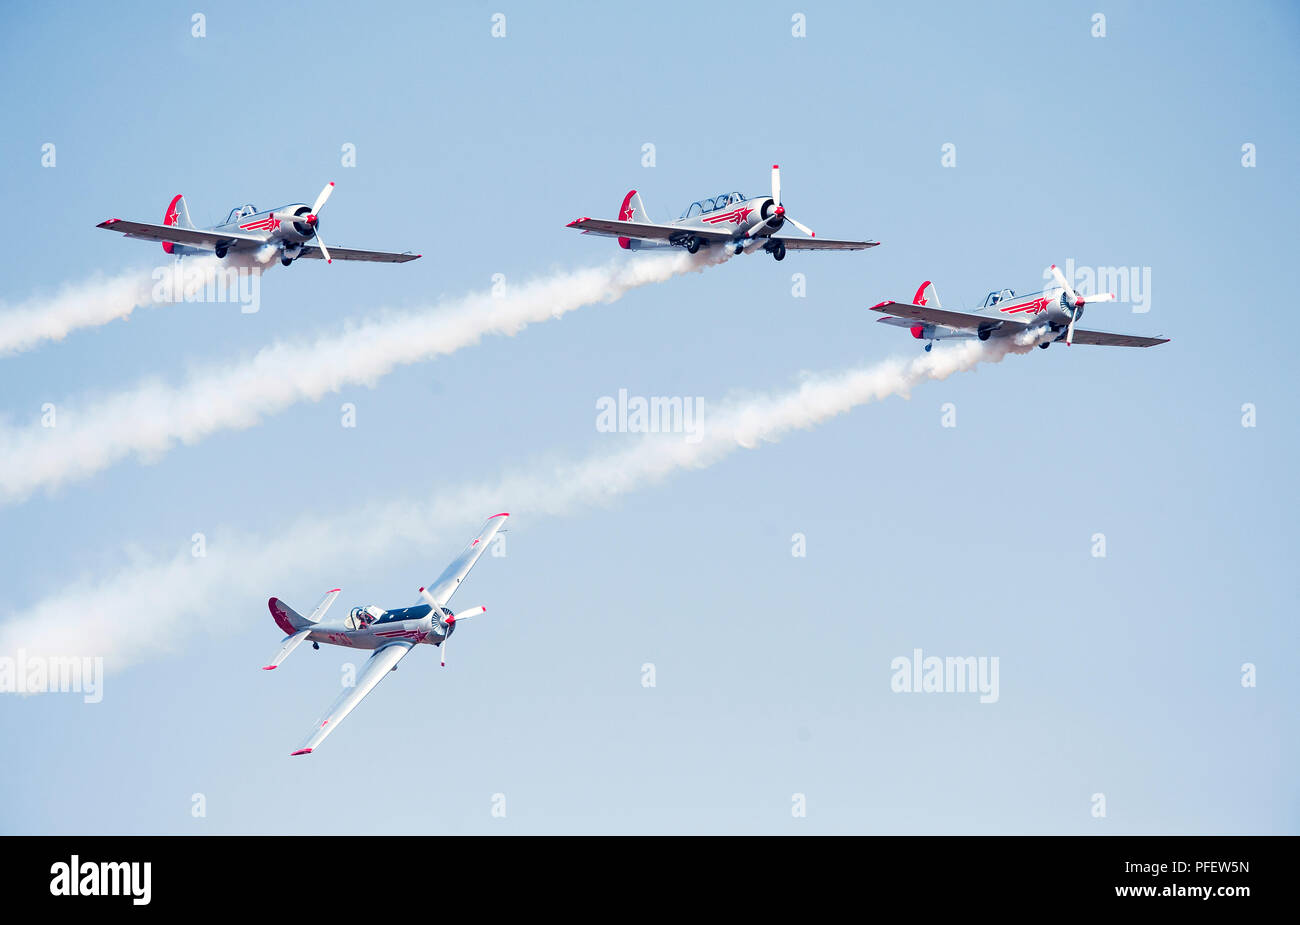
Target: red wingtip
[
  {"x": 577, "y": 221},
  {"x": 302, "y": 751},
  {"x": 878, "y": 304},
  {"x": 109, "y": 221}
]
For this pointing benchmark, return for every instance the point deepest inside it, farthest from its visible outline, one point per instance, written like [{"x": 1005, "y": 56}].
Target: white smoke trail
[
  {"x": 152, "y": 417},
  {"x": 154, "y": 606},
  {"x": 88, "y": 304}
]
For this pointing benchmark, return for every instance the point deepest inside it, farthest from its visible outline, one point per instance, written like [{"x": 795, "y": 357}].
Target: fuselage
[
  {"x": 275, "y": 226},
  {"x": 734, "y": 213},
  {"x": 372, "y": 627},
  {"x": 1008, "y": 314}
]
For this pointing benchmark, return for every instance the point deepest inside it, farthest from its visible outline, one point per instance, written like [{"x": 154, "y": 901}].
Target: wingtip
[{"x": 108, "y": 221}]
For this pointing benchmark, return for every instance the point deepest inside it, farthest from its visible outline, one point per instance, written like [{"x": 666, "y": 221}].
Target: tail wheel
[{"x": 692, "y": 244}]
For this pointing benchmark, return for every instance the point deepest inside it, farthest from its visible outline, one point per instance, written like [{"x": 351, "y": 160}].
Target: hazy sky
[{"x": 1119, "y": 675}]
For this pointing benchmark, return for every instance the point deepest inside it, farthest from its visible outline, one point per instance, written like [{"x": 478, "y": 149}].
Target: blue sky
[{"x": 1118, "y": 675}]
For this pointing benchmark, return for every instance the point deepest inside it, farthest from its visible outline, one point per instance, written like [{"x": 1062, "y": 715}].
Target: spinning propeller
[
  {"x": 779, "y": 211},
  {"x": 449, "y": 621},
  {"x": 1076, "y": 301},
  {"x": 312, "y": 218}
]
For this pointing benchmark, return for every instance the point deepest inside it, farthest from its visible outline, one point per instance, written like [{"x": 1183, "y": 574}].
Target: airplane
[
  {"x": 730, "y": 220},
  {"x": 1050, "y": 314},
  {"x": 390, "y": 634},
  {"x": 247, "y": 231}
]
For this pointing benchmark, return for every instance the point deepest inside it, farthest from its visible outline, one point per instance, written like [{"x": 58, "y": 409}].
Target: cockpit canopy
[
  {"x": 705, "y": 206},
  {"x": 239, "y": 212},
  {"x": 993, "y": 298},
  {"x": 418, "y": 612}
]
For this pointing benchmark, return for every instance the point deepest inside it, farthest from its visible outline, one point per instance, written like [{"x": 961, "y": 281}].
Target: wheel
[
  {"x": 692, "y": 244},
  {"x": 739, "y": 248},
  {"x": 984, "y": 335},
  {"x": 221, "y": 253},
  {"x": 779, "y": 252},
  {"x": 1044, "y": 345},
  {"x": 929, "y": 347},
  {"x": 285, "y": 261}
]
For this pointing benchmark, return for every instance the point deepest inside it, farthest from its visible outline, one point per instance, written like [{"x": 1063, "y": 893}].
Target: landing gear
[
  {"x": 316, "y": 645},
  {"x": 221, "y": 253},
  {"x": 285, "y": 261},
  {"x": 739, "y": 249},
  {"x": 692, "y": 244},
  {"x": 1044, "y": 345},
  {"x": 984, "y": 335},
  {"x": 778, "y": 251},
  {"x": 929, "y": 346}
]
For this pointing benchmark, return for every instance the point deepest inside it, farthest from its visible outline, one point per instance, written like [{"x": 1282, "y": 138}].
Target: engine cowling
[{"x": 292, "y": 228}]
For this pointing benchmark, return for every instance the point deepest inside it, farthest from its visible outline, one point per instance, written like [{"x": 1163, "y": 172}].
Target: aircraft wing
[
  {"x": 191, "y": 237},
  {"x": 1105, "y": 339},
  {"x": 344, "y": 253},
  {"x": 822, "y": 244},
  {"x": 375, "y": 670},
  {"x": 928, "y": 315},
  {"x": 446, "y": 584},
  {"x": 644, "y": 231}
]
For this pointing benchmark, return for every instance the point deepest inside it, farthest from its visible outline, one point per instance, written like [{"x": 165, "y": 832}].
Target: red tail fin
[
  {"x": 925, "y": 295},
  {"x": 172, "y": 218},
  {"x": 625, "y": 214}
]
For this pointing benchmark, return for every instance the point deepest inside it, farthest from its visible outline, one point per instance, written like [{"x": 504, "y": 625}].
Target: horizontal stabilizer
[{"x": 287, "y": 645}]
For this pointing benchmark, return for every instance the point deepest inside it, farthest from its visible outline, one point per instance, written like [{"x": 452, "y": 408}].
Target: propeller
[
  {"x": 449, "y": 621},
  {"x": 779, "y": 211},
  {"x": 1076, "y": 301},
  {"x": 312, "y": 218}
]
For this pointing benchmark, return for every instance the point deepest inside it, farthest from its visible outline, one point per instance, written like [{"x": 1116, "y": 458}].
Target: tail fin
[
  {"x": 925, "y": 295},
  {"x": 177, "y": 215},
  {"x": 291, "y": 621},
  {"x": 631, "y": 211}
]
